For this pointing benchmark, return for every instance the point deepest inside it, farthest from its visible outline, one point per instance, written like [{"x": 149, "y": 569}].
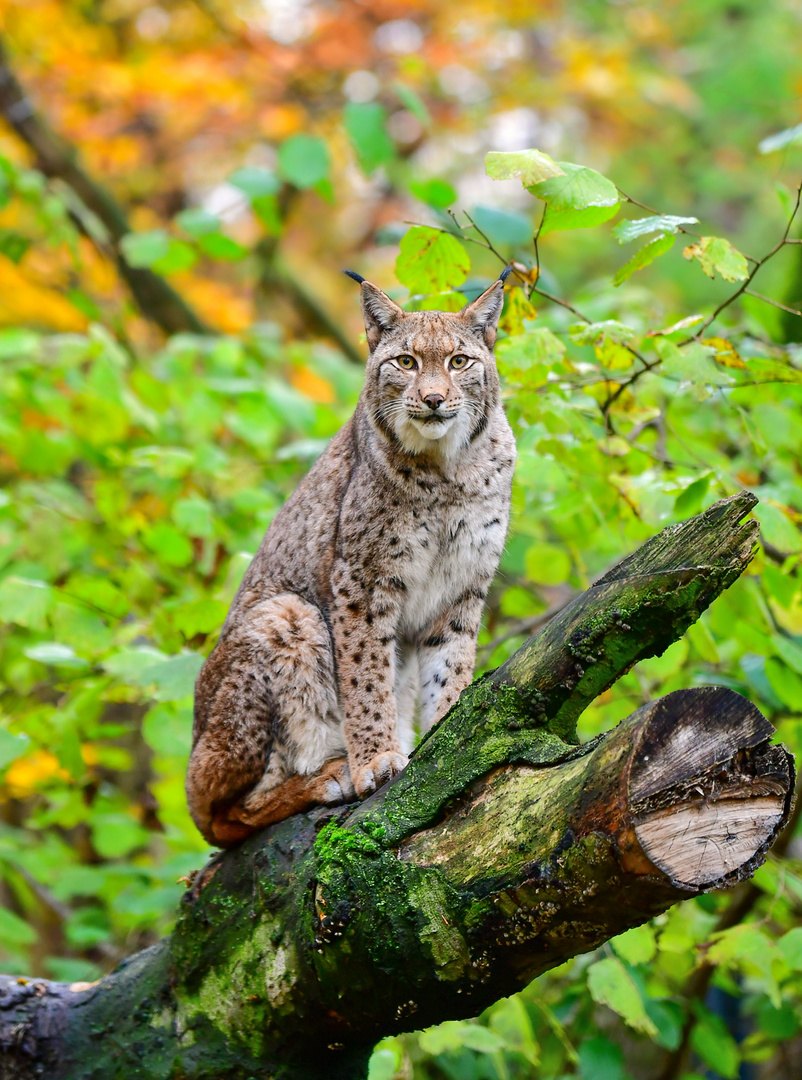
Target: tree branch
[
  {"x": 55, "y": 157},
  {"x": 503, "y": 849}
]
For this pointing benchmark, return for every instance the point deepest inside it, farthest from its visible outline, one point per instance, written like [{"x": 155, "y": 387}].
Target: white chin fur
[
  {"x": 419, "y": 436},
  {"x": 432, "y": 430}
]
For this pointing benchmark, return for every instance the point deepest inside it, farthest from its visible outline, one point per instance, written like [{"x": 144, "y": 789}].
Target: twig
[
  {"x": 774, "y": 303},
  {"x": 742, "y": 289},
  {"x": 526, "y": 627},
  {"x": 658, "y": 213}
]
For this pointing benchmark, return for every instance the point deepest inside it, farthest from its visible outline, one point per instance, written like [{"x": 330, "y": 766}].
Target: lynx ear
[
  {"x": 379, "y": 311},
  {"x": 483, "y": 313}
]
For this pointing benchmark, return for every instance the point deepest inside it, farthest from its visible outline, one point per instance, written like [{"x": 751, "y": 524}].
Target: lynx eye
[
  {"x": 457, "y": 363},
  {"x": 408, "y": 363}
]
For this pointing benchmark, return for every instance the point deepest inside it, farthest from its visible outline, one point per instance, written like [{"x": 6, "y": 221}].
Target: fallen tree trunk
[{"x": 502, "y": 850}]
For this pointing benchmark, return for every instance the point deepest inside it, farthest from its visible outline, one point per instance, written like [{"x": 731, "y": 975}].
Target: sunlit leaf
[
  {"x": 578, "y": 199},
  {"x": 595, "y": 333},
  {"x": 717, "y": 256},
  {"x": 304, "y": 160},
  {"x": 647, "y": 254},
  {"x": 789, "y": 137},
  {"x": 434, "y": 192},
  {"x": 657, "y": 223},
  {"x": 255, "y": 181},
  {"x": 14, "y": 930},
  {"x": 611, "y": 984},
  {"x": 431, "y": 261},
  {"x": 528, "y": 166},
  {"x": 366, "y": 125}
]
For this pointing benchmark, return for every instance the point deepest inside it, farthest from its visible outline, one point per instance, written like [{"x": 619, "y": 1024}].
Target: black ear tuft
[
  {"x": 354, "y": 276},
  {"x": 505, "y": 273}
]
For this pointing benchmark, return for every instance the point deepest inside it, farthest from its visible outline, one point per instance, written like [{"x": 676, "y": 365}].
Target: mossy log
[{"x": 502, "y": 850}]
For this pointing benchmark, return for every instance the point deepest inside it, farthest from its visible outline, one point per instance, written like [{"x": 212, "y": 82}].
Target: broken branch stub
[{"x": 707, "y": 792}]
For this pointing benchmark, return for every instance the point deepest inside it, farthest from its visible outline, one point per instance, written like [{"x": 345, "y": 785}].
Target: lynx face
[{"x": 431, "y": 375}]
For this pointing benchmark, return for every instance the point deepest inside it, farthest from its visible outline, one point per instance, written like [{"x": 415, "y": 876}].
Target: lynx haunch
[{"x": 361, "y": 608}]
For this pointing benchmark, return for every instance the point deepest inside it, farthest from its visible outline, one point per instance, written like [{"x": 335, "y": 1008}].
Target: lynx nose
[{"x": 434, "y": 401}]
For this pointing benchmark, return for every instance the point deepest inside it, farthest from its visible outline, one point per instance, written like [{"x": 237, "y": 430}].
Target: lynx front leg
[
  {"x": 364, "y": 629},
  {"x": 447, "y": 656}
]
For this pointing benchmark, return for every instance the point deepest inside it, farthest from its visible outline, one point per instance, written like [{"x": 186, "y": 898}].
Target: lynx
[{"x": 361, "y": 608}]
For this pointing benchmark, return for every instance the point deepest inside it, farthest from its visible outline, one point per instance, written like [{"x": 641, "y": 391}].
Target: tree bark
[{"x": 502, "y": 850}]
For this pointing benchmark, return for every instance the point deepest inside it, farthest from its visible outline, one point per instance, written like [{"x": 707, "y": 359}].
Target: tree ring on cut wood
[{"x": 707, "y": 791}]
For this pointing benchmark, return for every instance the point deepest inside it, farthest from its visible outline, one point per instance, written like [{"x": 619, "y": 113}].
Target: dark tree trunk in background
[{"x": 502, "y": 850}]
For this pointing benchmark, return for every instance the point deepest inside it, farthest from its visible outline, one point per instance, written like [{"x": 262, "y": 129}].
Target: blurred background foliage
[{"x": 180, "y": 184}]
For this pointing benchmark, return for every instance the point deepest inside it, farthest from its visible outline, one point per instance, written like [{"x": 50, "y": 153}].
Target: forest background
[{"x": 180, "y": 185}]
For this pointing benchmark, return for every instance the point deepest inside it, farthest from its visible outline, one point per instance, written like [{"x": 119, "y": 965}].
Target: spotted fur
[{"x": 363, "y": 602}]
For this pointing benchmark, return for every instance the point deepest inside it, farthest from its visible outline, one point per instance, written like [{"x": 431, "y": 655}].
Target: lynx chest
[{"x": 454, "y": 545}]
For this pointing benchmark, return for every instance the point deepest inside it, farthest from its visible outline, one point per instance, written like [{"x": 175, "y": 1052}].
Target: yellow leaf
[
  {"x": 313, "y": 386},
  {"x": 726, "y": 353},
  {"x": 27, "y": 774}
]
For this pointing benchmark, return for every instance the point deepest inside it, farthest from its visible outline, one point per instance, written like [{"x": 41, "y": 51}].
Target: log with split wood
[{"x": 502, "y": 850}]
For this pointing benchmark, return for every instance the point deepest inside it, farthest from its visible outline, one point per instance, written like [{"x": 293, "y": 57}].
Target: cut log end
[{"x": 708, "y": 793}]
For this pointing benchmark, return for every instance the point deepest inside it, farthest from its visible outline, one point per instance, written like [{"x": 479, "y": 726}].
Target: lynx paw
[
  {"x": 382, "y": 768},
  {"x": 336, "y": 784}
]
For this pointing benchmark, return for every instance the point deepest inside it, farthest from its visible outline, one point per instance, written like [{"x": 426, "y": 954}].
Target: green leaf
[
  {"x": 218, "y": 246},
  {"x": 142, "y": 250},
  {"x": 303, "y": 160},
  {"x": 12, "y": 746},
  {"x": 197, "y": 222},
  {"x": 431, "y": 261},
  {"x": 635, "y": 946},
  {"x": 790, "y": 650},
  {"x": 689, "y": 501},
  {"x": 647, "y": 254},
  {"x": 268, "y": 213},
  {"x": 537, "y": 345},
  {"x": 382, "y": 1065},
  {"x": 777, "y": 528},
  {"x": 528, "y": 166},
  {"x": 547, "y": 564},
  {"x": 578, "y": 199},
  {"x": 25, "y": 602},
  {"x": 56, "y": 654},
  {"x": 167, "y": 729},
  {"x": 13, "y": 244},
  {"x": 200, "y": 617},
  {"x": 128, "y": 664},
  {"x": 789, "y": 137},
  {"x": 14, "y": 930},
  {"x": 790, "y": 947},
  {"x": 174, "y": 679},
  {"x": 611, "y": 984},
  {"x": 116, "y": 835},
  {"x": 436, "y": 193},
  {"x": 255, "y": 181},
  {"x": 168, "y": 543},
  {"x": 482, "y": 1039},
  {"x": 773, "y": 370},
  {"x": 366, "y": 126},
  {"x": 600, "y": 1059},
  {"x": 633, "y": 229},
  {"x": 178, "y": 258},
  {"x": 713, "y": 1043},
  {"x": 786, "y": 684},
  {"x": 717, "y": 255},
  {"x": 411, "y": 101},
  {"x": 595, "y": 333}
]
